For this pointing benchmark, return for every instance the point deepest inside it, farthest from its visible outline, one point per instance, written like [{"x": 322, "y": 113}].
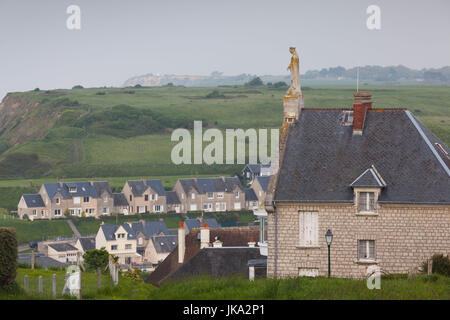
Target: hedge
[{"x": 8, "y": 257}]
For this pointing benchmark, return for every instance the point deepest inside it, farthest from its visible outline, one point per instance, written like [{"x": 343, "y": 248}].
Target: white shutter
[
  {"x": 308, "y": 228},
  {"x": 314, "y": 227}
]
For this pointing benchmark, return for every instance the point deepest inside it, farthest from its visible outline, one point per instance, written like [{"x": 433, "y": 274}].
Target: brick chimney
[
  {"x": 362, "y": 101},
  {"x": 181, "y": 242},
  {"x": 204, "y": 236}
]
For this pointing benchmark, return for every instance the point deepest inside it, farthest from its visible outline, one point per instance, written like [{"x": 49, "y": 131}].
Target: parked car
[{"x": 33, "y": 244}]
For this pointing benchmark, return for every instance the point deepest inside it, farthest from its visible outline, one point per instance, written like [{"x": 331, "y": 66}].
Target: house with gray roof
[
  {"x": 63, "y": 252},
  {"x": 251, "y": 171},
  {"x": 251, "y": 200},
  {"x": 40, "y": 259},
  {"x": 119, "y": 240},
  {"x": 84, "y": 244},
  {"x": 190, "y": 224},
  {"x": 160, "y": 246},
  {"x": 144, "y": 231},
  {"x": 80, "y": 198},
  {"x": 210, "y": 194},
  {"x": 377, "y": 178},
  {"x": 145, "y": 196},
  {"x": 259, "y": 186}
]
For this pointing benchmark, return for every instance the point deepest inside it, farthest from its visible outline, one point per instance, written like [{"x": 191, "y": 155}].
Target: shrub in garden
[
  {"x": 8, "y": 258},
  {"x": 441, "y": 265}
]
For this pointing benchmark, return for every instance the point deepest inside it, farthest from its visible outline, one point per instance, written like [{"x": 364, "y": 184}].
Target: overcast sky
[{"x": 121, "y": 39}]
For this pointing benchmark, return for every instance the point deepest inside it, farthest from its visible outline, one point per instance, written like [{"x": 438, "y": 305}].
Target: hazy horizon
[{"x": 119, "y": 40}]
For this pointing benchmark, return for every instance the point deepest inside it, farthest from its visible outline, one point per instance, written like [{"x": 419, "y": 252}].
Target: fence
[{"x": 51, "y": 286}]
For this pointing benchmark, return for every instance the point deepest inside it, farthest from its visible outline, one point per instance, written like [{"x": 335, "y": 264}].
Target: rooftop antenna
[{"x": 357, "y": 78}]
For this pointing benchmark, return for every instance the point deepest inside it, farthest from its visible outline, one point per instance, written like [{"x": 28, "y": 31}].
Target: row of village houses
[
  {"x": 95, "y": 198},
  {"x": 138, "y": 242}
]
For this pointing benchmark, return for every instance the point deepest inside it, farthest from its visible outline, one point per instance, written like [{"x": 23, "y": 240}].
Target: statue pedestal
[{"x": 293, "y": 105}]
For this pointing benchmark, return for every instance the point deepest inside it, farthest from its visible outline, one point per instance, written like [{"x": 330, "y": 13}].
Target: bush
[
  {"x": 441, "y": 265},
  {"x": 255, "y": 82},
  {"x": 8, "y": 257},
  {"x": 77, "y": 87}
]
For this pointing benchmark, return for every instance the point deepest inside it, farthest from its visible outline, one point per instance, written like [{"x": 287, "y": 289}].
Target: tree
[
  {"x": 67, "y": 213},
  {"x": 77, "y": 87},
  {"x": 97, "y": 258},
  {"x": 8, "y": 258},
  {"x": 255, "y": 82}
]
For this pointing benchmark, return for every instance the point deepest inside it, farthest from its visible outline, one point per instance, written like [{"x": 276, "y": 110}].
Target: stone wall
[{"x": 405, "y": 235}]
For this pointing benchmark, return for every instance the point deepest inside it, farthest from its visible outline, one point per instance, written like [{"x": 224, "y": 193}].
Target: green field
[
  {"x": 36, "y": 230},
  {"x": 238, "y": 288},
  {"x": 81, "y": 133}
]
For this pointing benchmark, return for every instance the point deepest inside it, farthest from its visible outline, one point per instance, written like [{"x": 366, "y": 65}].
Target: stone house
[
  {"x": 84, "y": 244},
  {"x": 159, "y": 247},
  {"x": 119, "y": 240},
  {"x": 210, "y": 194},
  {"x": 260, "y": 185},
  {"x": 89, "y": 198},
  {"x": 145, "y": 196},
  {"x": 173, "y": 203},
  {"x": 377, "y": 178},
  {"x": 63, "y": 252},
  {"x": 251, "y": 171},
  {"x": 144, "y": 231},
  {"x": 251, "y": 200}
]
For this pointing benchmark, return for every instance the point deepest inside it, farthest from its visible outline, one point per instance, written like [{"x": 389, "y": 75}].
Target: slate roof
[
  {"x": 250, "y": 195},
  {"x": 150, "y": 228},
  {"x": 84, "y": 189},
  {"x": 264, "y": 182},
  {"x": 368, "y": 178},
  {"x": 204, "y": 185},
  {"x": 165, "y": 244},
  {"x": 230, "y": 237},
  {"x": 120, "y": 200},
  {"x": 61, "y": 247},
  {"x": 110, "y": 229},
  {"x": 192, "y": 224},
  {"x": 256, "y": 168},
  {"x": 33, "y": 200},
  {"x": 87, "y": 243},
  {"x": 138, "y": 187},
  {"x": 41, "y": 259},
  {"x": 322, "y": 158},
  {"x": 211, "y": 222},
  {"x": 172, "y": 198}
]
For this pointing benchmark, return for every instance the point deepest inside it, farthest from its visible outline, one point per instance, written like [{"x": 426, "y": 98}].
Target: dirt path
[
  {"x": 77, "y": 151},
  {"x": 74, "y": 228}
]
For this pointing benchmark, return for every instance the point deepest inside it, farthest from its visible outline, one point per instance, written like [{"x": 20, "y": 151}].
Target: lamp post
[{"x": 329, "y": 239}]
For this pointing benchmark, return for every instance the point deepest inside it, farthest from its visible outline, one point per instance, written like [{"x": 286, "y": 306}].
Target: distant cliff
[{"x": 369, "y": 74}]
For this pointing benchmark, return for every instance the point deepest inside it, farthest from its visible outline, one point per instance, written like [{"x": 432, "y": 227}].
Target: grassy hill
[{"x": 126, "y": 131}]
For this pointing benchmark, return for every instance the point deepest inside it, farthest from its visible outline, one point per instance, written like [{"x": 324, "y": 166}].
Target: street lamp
[{"x": 329, "y": 239}]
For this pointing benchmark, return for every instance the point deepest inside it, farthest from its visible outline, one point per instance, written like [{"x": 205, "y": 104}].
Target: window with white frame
[
  {"x": 57, "y": 212},
  {"x": 105, "y": 210},
  {"x": 237, "y": 206},
  {"x": 85, "y": 199},
  {"x": 223, "y": 206},
  {"x": 192, "y": 195},
  {"x": 236, "y": 194},
  {"x": 220, "y": 195},
  {"x": 154, "y": 197},
  {"x": 193, "y": 207},
  {"x": 105, "y": 199},
  {"x": 140, "y": 241},
  {"x": 309, "y": 228},
  {"x": 207, "y": 206},
  {"x": 128, "y": 246},
  {"x": 57, "y": 201},
  {"x": 210, "y": 195},
  {"x": 366, "y": 202},
  {"x": 114, "y": 247},
  {"x": 366, "y": 250},
  {"x": 34, "y": 212},
  {"x": 157, "y": 208},
  {"x": 76, "y": 200}
]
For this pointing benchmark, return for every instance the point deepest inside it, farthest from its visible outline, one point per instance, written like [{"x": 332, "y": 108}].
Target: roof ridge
[{"x": 427, "y": 141}]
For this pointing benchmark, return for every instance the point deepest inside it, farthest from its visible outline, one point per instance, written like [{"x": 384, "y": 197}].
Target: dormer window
[
  {"x": 347, "y": 118},
  {"x": 72, "y": 189},
  {"x": 366, "y": 202}
]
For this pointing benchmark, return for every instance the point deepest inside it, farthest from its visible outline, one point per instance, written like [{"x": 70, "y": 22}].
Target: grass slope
[{"x": 81, "y": 132}]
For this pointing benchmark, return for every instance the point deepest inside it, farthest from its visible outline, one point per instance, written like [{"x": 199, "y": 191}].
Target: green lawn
[
  {"x": 36, "y": 230},
  {"x": 238, "y": 288}
]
